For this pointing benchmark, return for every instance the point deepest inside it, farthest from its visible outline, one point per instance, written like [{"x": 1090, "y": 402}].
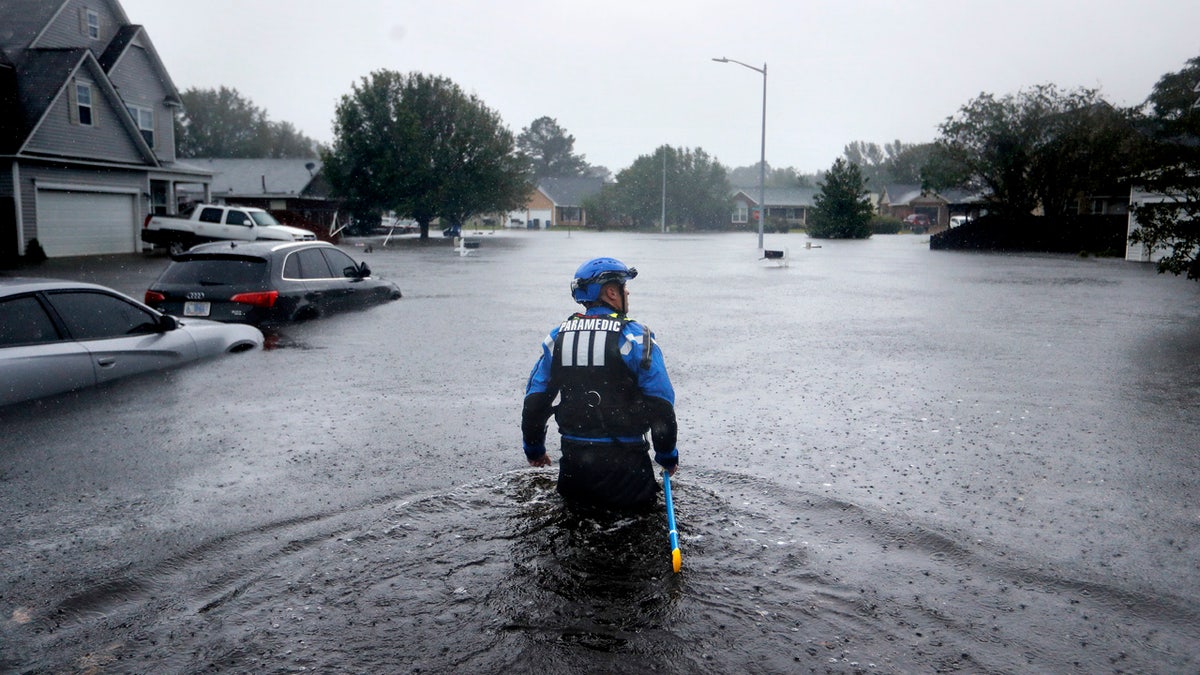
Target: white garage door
[{"x": 85, "y": 223}]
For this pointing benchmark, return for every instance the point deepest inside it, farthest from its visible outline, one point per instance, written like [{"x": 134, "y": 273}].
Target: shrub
[{"x": 886, "y": 224}]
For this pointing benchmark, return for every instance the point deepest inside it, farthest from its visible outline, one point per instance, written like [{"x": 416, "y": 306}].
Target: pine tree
[{"x": 841, "y": 210}]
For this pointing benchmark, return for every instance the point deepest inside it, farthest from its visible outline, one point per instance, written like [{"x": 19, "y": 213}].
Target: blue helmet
[{"x": 593, "y": 274}]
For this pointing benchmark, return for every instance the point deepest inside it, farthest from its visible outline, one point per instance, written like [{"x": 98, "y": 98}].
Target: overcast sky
[{"x": 624, "y": 77}]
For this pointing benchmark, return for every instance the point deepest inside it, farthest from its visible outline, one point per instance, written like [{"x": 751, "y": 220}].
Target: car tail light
[
  {"x": 261, "y": 299},
  {"x": 154, "y": 297},
  {"x": 146, "y": 222}
]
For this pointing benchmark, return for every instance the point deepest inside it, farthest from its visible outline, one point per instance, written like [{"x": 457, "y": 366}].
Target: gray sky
[{"x": 624, "y": 77}]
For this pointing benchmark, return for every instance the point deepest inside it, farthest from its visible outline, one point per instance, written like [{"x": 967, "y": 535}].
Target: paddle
[{"x": 676, "y": 557}]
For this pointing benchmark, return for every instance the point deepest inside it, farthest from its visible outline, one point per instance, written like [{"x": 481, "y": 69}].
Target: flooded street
[{"x": 892, "y": 460}]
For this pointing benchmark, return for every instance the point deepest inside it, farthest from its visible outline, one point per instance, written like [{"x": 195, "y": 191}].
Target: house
[
  {"x": 903, "y": 200},
  {"x": 87, "y": 129},
  {"x": 785, "y": 205},
  {"x": 294, "y": 186},
  {"x": 556, "y": 202}
]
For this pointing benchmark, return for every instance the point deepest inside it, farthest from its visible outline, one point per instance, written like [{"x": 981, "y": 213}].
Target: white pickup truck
[{"x": 215, "y": 222}]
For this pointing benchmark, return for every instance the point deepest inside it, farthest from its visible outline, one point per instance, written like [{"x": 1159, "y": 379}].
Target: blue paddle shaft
[{"x": 672, "y": 532}]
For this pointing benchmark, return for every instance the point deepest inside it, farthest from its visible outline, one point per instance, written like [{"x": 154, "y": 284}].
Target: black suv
[{"x": 266, "y": 283}]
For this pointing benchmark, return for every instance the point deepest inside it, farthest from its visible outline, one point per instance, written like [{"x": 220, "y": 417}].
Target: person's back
[{"x": 613, "y": 388}]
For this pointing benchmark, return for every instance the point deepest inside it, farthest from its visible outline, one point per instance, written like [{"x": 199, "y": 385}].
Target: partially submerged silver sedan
[{"x": 57, "y": 336}]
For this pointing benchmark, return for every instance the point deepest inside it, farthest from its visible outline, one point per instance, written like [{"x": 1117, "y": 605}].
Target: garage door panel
[{"x": 85, "y": 223}]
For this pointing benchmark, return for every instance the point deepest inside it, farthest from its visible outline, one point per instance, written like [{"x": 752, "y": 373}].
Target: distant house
[
  {"x": 292, "y": 185},
  {"x": 87, "y": 129},
  {"x": 788, "y": 205},
  {"x": 903, "y": 200},
  {"x": 556, "y": 202}
]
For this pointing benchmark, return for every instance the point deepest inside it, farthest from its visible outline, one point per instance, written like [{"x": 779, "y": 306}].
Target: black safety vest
[{"x": 599, "y": 396}]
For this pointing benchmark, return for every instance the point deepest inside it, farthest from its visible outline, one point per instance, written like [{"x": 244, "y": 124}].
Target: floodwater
[{"x": 893, "y": 460}]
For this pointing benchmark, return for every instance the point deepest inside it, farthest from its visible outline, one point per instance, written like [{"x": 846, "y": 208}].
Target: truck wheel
[{"x": 175, "y": 248}]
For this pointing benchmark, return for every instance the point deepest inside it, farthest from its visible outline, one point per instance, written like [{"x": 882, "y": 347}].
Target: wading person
[{"x": 613, "y": 388}]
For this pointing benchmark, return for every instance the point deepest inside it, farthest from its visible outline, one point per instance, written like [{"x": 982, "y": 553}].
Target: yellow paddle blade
[{"x": 676, "y": 560}]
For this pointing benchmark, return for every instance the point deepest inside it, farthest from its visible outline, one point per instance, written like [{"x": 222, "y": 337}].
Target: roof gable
[
  {"x": 134, "y": 35},
  {"x": 42, "y": 81},
  {"x": 569, "y": 191},
  {"x": 46, "y": 42}
]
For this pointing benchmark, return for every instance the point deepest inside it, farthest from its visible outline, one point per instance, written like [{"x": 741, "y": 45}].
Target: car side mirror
[
  {"x": 363, "y": 271},
  {"x": 166, "y": 323}
]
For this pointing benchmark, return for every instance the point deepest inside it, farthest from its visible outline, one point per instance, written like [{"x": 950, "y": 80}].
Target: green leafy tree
[
  {"x": 697, "y": 192},
  {"x": 551, "y": 150},
  {"x": 1040, "y": 148},
  {"x": 418, "y": 145},
  {"x": 222, "y": 123},
  {"x": 1170, "y": 225},
  {"x": 906, "y": 162},
  {"x": 841, "y": 209}
]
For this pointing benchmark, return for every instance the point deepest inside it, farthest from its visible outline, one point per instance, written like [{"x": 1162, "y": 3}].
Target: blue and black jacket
[{"x": 613, "y": 384}]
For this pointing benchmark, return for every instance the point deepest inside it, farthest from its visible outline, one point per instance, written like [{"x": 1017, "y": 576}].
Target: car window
[
  {"x": 236, "y": 218},
  {"x": 338, "y": 262},
  {"x": 91, "y": 315},
  {"x": 291, "y": 267},
  {"x": 216, "y": 272},
  {"x": 263, "y": 218},
  {"x": 313, "y": 265},
  {"x": 23, "y": 321},
  {"x": 210, "y": 215}
]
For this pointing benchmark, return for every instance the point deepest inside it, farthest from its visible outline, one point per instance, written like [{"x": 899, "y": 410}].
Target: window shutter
[
  {"x": 72, "y": 103},
  {"x": 83, "y": 21}
]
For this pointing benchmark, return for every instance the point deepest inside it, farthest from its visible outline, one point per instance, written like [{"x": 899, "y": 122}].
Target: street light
[{"x": 762, "y": 161}]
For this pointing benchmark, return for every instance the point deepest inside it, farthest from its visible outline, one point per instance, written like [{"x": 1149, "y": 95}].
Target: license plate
[{"x": 196, "y": 308}]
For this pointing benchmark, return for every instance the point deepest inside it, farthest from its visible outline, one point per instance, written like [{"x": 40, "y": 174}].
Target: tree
[
  {"x": 551, "y": 150},
  {"x": 1041, "y": 149},
  {"x": 840, "y": 209},
  {"x": 697, "y": 192},
  {"x": 222, "y": 123},
  {"x": 418, "y": 145},
  {"x": 1170, "y": 225},
  {"x": 747, "y": 176},
  {"x": 894, "y": 162}
]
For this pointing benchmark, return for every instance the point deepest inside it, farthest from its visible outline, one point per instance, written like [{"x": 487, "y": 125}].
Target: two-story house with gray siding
[{"x": 87, "y": 129}]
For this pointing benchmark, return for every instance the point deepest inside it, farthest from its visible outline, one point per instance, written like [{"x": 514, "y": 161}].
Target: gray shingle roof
[
  {"x": 40, "y": 76},
  {"x": 900, "y": 193},
  {"x": 570, "y": 191},
  {"x": 259, "y": 177},
  {"x": 23, "y": 20},
  {"x": 124, "y": 36},
  {"x": 782, "y": 196}
]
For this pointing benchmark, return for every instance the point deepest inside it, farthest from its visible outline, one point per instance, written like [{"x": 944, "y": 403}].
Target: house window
[
  {"x": 741, "y": 213},
  {"x": 83, "y": 103},
  {"x": 92, "y": 24},
  {"x": 143, "y": 118}
]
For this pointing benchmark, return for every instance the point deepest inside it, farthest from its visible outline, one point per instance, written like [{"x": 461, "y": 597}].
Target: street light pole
[
  {"x": 663, "y": 222},
  {"x": 762, "y": 160}
]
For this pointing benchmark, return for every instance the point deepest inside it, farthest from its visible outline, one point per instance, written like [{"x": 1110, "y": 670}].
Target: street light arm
[{"x": 762, "y": 70}]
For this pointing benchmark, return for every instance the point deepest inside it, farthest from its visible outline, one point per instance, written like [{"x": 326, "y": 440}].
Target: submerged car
[
  {"x": 58, "y": 336},
  {"x": 917, "y": 222},
  {"x": 266, "y": 283}
]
